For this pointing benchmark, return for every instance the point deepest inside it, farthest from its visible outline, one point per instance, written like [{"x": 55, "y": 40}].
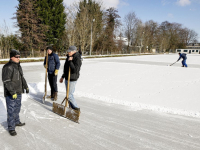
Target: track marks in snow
[{"x": 159, "y": 133}]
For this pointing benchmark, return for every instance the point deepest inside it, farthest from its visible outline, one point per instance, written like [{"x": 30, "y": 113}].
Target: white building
[
  {"x": 123, "y": 39},
  {"x": 188, "y": 51}
]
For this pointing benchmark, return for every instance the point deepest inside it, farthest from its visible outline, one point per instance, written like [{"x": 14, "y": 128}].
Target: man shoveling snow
[{"x": 184, "y": 57}]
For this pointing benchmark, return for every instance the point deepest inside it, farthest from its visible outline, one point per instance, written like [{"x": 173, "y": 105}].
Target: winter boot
[
  {"x": 52, "y": 95},
  {"x": 12, "y": 132},
  {"x": 78, "y": 111},
  {"x": 55, "y": 96},
  {"x": 20, "y": 124}
]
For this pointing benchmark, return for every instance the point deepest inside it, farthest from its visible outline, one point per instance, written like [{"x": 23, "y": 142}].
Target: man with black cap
[
  {"x": 74, "y": 62},
  {"x": 53, "y": 67},
  {"x": 14, "y": 85}
]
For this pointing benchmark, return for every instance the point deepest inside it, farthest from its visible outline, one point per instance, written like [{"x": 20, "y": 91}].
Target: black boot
[
  {"x": 12, "y": 132},
  {"x": 20, "y": 124}
]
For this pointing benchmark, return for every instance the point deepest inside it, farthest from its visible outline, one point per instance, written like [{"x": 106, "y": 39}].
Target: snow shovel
[
  {"x": 173, "y": 63},
  {"x": 66, "y": 111},
  {"x": 45, "y": 85}
]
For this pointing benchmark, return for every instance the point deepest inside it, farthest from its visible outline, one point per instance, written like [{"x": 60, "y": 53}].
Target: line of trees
[
  {"x": 162, "y": 37},
  {"x": 91, "y": 28}
]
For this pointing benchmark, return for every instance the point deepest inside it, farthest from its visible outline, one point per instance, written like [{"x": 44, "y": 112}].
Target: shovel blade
[
  {"x": 72, "y": 114},
  {"x": 58, "y": 109}
]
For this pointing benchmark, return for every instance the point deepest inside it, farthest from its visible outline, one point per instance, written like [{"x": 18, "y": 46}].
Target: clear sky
[{"x": 185, "y": 12}]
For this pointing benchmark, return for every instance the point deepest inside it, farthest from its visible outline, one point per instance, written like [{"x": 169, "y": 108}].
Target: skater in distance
[{"x": 184, "y": 57}]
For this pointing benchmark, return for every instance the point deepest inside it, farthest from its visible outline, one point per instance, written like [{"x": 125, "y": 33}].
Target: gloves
[
  {"x": 56, "y": 72},
  {"x": 27, "y": 90},
  {"x": 14, "y": 96}
]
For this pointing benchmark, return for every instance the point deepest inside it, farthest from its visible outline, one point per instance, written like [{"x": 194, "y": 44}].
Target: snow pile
[{"x": 3, "y": 109}]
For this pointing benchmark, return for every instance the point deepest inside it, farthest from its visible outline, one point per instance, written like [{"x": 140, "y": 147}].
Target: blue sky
[{"x": 185, "y": 12}]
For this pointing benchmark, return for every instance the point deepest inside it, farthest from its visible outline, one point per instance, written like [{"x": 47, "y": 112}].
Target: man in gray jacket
[{"x": 14, "y": 85}]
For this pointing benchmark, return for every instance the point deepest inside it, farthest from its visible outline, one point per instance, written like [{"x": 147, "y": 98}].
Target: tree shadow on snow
[
  {"x": 38, "y": 99},
  {"x": 5, "y": 125},
  {"x": 36, "y": 95},
  {"x": 3, "y": 113}
]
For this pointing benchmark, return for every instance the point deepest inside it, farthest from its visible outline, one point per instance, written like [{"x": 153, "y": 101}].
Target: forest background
[{"x": 90, "y": 27}]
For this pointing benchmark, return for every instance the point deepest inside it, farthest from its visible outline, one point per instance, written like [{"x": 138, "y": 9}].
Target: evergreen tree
[
  {"x": 52, "y": 14},
  {"x": 30, "y": 26},
  {"x": 112, "y": 22}
]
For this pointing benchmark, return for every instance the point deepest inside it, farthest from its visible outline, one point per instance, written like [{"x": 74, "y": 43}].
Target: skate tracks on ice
[{"x": 102, "y": 126}]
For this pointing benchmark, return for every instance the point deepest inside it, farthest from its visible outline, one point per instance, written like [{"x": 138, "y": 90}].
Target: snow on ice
[{"x": 137, "y": 85}]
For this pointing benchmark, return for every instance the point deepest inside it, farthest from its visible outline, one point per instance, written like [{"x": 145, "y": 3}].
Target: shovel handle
[
  {"x": 173, "y": 63},
  {"x": 67, "y": 94},
  {"x": 45, "y": 86},
  {"x": 63, "y": 100}
]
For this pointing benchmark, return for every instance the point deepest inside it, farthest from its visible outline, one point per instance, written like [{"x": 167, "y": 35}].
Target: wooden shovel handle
[
  {"x": 67, "y": 94},
  {"x": 46, "y": 75}
]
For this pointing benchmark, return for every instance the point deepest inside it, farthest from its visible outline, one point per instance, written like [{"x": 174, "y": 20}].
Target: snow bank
[{"x": 3, "y": 109}]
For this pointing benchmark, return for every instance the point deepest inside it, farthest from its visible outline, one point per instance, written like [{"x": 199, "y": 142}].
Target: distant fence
[{"x": 29, "y": 54}]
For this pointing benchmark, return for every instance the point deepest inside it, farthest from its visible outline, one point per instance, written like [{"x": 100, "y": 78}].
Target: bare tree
[
  {"x": 8, "y": 41},
  {"x": 130, "y": 26},
  {"x": 150, "y": 34}
]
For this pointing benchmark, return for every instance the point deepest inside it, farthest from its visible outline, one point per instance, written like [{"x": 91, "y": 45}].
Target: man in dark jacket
[
  {"x": 184, "y": 57},
  {"x": 73, "y": 61},
  {"x": 53, "y": 67},
  {"x": 14, "y": 85}
]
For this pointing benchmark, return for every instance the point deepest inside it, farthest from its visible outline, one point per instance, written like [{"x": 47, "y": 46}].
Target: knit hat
[
  {"x": 71, "y": 48},
  {"x": 14, "y": 52},
  {"x": 50, "y": 47}
]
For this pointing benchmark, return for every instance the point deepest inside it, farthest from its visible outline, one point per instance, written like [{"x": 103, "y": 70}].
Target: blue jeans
[
  {"x": 72, "y": 101},
  {"x": 13, "y": 110},
  {"x": 184, "y": 63}
]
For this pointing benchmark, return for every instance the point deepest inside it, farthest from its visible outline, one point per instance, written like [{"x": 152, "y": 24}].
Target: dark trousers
[
  {"x": 53, "y": 82},
  {"x": 13, "y": 110}
]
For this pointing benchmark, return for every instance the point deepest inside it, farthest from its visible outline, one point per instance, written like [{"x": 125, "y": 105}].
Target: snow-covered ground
[
  {"x": 131, "y": 82},
  {"x": 164, "y": 88}
]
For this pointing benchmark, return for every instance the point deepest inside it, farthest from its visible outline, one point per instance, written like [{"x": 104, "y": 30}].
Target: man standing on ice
[
  {"x": 53, "y": 67},
  {"x": 14, "y": 85},
  {"x": 74, "y": 62},
  {"x": 184, "y": 57}
]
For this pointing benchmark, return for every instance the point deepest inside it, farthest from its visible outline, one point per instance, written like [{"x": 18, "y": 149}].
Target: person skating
[
  {"x": 53, "y": 67},
  {"x": 184, "y": 57},
  {"x": 14, "y": 85},
  {"x": 73, "y": 61}
]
